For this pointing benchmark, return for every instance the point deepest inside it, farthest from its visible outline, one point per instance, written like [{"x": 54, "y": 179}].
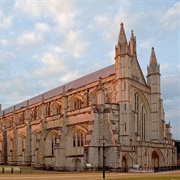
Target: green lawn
[{"x": 150, "y": 178}]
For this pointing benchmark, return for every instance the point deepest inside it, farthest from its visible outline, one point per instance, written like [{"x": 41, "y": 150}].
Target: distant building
[{"x": 64, "y": 127}]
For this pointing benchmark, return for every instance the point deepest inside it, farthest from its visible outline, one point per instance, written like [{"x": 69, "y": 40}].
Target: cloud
[
  {"x": 42, "y": 27},
  {"x": 62, "y": 13},
  {"x": 6, "y": 21},
  {"x": 29, "y": 7},
  {"x": 171, "y": 17},
  {"x": 75, "y": 44},
  {"x": 170, "y": 85},
  {"x": 7, "y": 57},
  {"x": 4, "y": 42},
  {"x": 170, "y": 80},
  {"x": 47, "y": 43},
  {"x": 99, "y": 22},
  {"x": 29, "y": 38},
  {"x": 172, "y": 109},
  {"x": 50, "y": 66}
]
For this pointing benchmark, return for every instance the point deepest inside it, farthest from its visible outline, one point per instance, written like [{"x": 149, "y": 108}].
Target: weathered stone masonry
[{"x": 64, "y": 127}]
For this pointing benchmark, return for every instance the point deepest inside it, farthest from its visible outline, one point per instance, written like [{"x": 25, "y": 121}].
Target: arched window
[
  {"x": 51, "y": 142},
  {"x": 76, "y": 103},
  {"x": 93, "y": 98},
  {"x": 9, "y": 121},
  {"x": 22, "y": 117},
  {"x": 143, "y": 123},
  {"x": 48, "y": 111},
  {"x": 78, "y": 139},
  {"x": 82, "y": 139},
  {"x": 52, "y": 146},
  {"x": 140, "y": 120},
  {"x": 9, "y": 144},
  {"x": 21, "y": 143},
  {"x": 74, "y": 141},
  {"x": 34, "y": 113},
  {"x": 19, "y": 119},
  {"x": 56, "y": 108}
]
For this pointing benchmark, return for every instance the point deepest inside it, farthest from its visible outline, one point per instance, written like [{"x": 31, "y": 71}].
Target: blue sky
[{"x": 44, "y": 44}]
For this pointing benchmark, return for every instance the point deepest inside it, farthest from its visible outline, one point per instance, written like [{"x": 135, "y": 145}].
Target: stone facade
[{"x": 64, "y": 127}]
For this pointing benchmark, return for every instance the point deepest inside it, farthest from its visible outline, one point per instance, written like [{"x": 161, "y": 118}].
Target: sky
[{"x": 47, "y": 43}]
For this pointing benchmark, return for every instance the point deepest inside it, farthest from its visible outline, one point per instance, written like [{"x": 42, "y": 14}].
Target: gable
[{"x": 137, "y": 74}]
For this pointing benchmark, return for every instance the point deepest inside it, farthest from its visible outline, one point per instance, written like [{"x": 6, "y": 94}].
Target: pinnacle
[{"x": 153, "y": 60}]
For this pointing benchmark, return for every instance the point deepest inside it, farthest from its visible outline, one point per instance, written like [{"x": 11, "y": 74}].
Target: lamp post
[{"x": 103, "y": 142}]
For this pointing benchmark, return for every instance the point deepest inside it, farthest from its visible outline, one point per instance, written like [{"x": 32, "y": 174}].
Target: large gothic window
[
  {"x": 35, "y": 143},
  {"x": 21, "y": 144},
  {"x": 9, "y": 144},
  {"x": 50, "y": 142},
  {"x": 140, "y": 117},
  {"x": 75, "y": 141}
]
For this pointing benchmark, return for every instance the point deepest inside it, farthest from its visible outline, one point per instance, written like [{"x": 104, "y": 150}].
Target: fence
[{"x": 166, "y": 168}]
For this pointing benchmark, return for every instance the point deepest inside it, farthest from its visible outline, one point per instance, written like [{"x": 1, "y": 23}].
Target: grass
[{"x": 150, "y": 178}]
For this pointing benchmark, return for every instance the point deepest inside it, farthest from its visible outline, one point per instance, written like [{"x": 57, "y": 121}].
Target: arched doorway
[
  {"x": 124, "y": 162},
  {"x": 155, "y": 159},
  {"x": 77, "y": 164}
]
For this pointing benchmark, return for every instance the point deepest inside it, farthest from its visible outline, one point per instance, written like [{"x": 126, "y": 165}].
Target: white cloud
[
  {"x": 6, "y": 21},
  {"x": 75, "y": 44},
  {"x": 29, "y": 7},
  {"x": 171, "y": 17},
  {"x": 4, "y": 42},
  {"x": 62, "y": 12},
  {"x": 53, "y": 42},
  {"x": 147, "y": 44},
  {"x": 56, "y": 49},
  {"x": 69, "y": 76},
  {"x": 42, "y": 26},
  {"x": 99, "y": 22},
  {"x": 51, "y": 65},
  {"x": 29, "y": 38},
  {"x": 7, "y": 56}
]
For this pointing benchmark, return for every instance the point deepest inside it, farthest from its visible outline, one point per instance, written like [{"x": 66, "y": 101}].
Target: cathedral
[{"x": 114, "y": 115}]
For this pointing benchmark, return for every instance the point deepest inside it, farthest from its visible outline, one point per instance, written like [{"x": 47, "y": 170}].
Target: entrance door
[
  {"x": 124, "y": 164},
  {"x": 77, "y": 165},
  {"x": 155, "y": 159}
]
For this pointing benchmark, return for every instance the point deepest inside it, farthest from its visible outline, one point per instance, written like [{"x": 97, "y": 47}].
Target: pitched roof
[{"x": 103, "y": 73}]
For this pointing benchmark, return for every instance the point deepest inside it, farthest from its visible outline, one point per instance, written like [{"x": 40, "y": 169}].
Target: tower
[
  {"x": 123, "y": 60},
  {"x": 153, "y": 81}
]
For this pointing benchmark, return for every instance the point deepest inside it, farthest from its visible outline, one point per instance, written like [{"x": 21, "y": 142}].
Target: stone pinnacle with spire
[
  {"x": 153, "y": 67},
  {"x": 153, "y": 60},
  {"x": 122, "y": 47}
]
